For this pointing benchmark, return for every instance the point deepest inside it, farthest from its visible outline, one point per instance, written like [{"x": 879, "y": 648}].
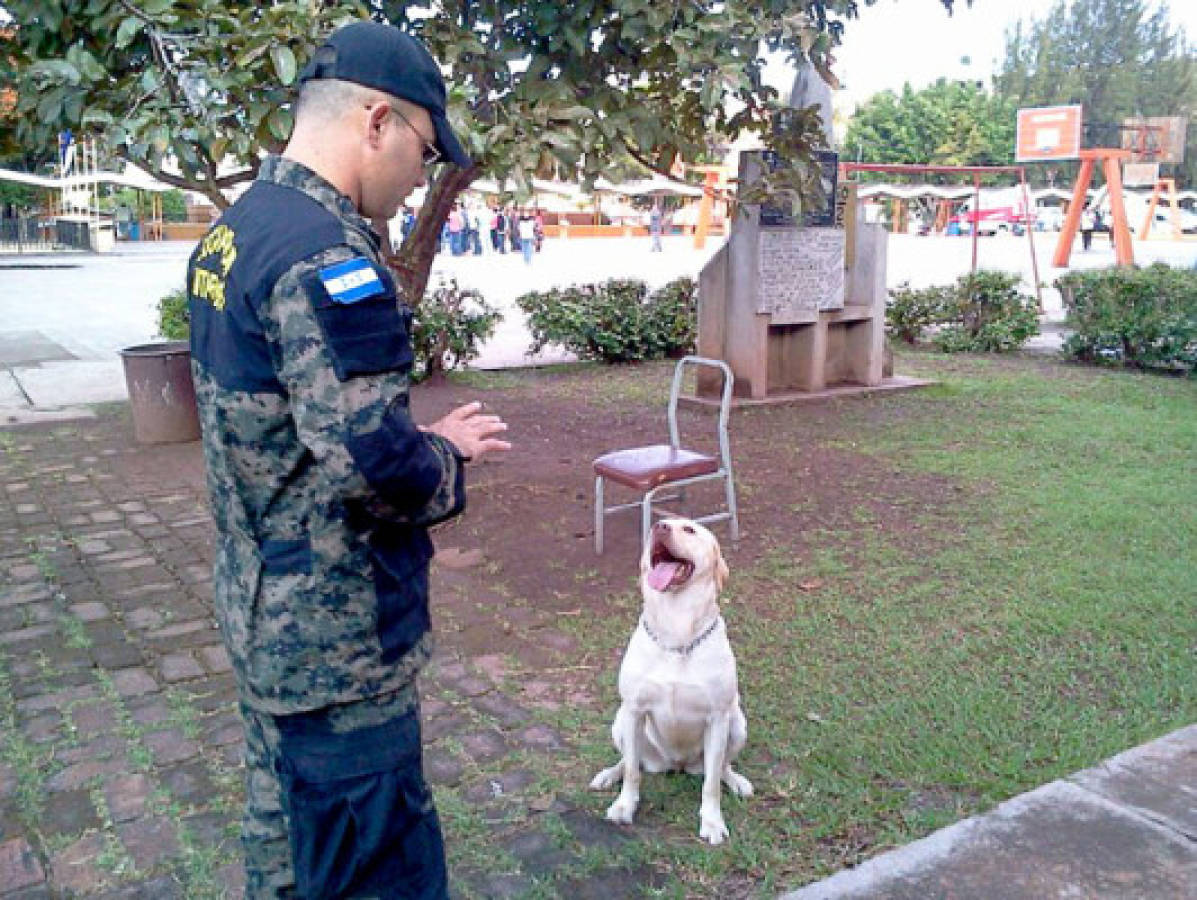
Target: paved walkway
[{"x": 119, "y": 741}]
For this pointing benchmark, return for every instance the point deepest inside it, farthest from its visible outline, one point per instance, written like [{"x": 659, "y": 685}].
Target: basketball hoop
[{"x": 1155, "y": 139}]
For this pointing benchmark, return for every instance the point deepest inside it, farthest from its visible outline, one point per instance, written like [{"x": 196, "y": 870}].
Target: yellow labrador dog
[{"x": 680, "y": 704}]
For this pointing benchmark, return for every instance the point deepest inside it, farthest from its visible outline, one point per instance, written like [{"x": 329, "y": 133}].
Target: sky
[{"x": 895, "y": 41}]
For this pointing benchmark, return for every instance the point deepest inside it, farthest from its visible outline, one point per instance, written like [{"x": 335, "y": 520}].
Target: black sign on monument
[{"x": 781, "y": 217}]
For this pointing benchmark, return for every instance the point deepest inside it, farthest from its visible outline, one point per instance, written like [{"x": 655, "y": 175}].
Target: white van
[{"x": 1136, "y": 211}]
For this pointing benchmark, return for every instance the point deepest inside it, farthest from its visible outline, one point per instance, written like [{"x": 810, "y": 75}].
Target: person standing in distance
[
  {"x": 1088, "y": 223},
  {"x": 322, "y": 486}
]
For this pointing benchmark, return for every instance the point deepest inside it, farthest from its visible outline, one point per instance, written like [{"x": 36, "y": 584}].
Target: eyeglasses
[{"x": 430, "y": 155}]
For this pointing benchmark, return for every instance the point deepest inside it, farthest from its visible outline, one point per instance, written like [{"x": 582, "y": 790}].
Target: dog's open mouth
[{"x": 667, "y": 570}]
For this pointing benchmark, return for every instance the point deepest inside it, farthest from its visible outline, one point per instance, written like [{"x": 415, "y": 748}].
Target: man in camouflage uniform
[{"x": 322, "y": 486}]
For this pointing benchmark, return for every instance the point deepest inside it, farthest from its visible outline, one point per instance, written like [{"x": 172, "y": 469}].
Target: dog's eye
[{"x": 688, "y": 529}]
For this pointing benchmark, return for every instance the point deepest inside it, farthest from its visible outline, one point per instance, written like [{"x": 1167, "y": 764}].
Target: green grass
[
  {"x": 1005, "y": 594},
  {"x": 1037, "y": 614}
]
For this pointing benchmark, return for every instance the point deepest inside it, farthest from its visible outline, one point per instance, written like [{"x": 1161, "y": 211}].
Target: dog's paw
[
  {"x": 713, "y": 830},
  {"x": 606, "y": 779},
  {"x": 738, "y": 784},
  {"x": 622, "y": 811}
]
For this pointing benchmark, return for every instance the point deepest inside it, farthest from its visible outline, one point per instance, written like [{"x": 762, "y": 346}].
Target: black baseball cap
[{"x": 384, "y": 58}]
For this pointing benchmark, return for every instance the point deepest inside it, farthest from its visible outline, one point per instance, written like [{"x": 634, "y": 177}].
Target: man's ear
[{"x": 376, "y": 121}]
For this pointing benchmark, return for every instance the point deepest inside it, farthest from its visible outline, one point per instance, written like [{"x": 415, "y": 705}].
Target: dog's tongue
[{"x": 662, "y": 575}]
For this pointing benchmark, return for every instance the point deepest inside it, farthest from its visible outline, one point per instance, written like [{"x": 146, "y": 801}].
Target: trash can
[{"x": 161, "y": 392}]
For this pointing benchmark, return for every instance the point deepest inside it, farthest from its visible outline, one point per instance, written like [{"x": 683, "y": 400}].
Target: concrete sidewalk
[{"x": 1125, "y": 828}]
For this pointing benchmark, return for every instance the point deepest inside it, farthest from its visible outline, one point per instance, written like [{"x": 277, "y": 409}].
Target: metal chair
[{"x": 655, "y": 469}]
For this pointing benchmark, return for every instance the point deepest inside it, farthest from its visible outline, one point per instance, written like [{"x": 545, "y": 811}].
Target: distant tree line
[{"x": 1117, "y": 58}]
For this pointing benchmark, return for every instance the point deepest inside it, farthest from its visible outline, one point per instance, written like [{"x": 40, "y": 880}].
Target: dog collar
[{"x": 685, "y": 649}]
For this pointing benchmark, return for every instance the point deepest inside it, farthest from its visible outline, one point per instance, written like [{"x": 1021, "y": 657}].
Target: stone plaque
[{"x": 800, "y": 272}]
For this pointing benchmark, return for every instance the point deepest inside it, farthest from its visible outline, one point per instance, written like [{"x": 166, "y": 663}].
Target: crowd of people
[{"x": 505, "y": 228}]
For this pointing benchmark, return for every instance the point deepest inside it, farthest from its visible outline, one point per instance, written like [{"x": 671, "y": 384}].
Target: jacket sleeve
[{"x": 345, "y": 365}]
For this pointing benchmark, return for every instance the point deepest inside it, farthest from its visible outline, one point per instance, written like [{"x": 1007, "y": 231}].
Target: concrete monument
[{"x": 796, "y": 306}]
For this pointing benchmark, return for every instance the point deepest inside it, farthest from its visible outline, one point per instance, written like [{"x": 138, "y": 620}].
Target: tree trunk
[{"x": 413, "y": 263}]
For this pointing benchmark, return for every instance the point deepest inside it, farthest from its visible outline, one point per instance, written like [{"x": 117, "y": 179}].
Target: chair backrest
[{"x": 675, "y": 389}]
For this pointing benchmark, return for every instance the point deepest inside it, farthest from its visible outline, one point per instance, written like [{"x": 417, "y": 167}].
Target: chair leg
[
  {"x": 731, "y": 506},
  {"x": 599, "y": 514}
]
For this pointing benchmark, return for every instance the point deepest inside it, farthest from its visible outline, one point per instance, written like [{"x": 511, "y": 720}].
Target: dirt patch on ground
[{"x": 519, "y": 575}]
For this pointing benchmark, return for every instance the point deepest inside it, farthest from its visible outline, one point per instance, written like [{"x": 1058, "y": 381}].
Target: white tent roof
[
  {"x": 964, "y": 191},
  {"x": 659, "y": 185},
  {"x": 910, "y": 191},
  {"x": 134, "y": 179}
]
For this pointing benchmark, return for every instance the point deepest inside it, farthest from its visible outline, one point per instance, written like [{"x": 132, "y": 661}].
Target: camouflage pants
[{"x": 351, "y": 772}]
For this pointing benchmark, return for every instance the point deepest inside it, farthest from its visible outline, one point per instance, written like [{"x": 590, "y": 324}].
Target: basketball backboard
[
  {"x": 1155, "y": 139},
  {"x": 1048, "y": 132}
]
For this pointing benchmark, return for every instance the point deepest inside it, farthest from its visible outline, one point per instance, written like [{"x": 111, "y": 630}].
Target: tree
[
  {"x": 531, "y": 81},
  {"x": 951, "y": 123},
  {"x": 1112, "y": 57}
]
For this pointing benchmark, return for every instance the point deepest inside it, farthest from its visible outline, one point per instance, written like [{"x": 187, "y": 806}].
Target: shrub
[
  {"x": 616, "y": 321},
  {"x": 910, "y": 312},
  {"x": 673, "y": 316},
  {"x": 981, "y": 312},
  {"x": 448, "y": 326},
  {"x": 174, "y": 319},
  {"x": 989, "y": 314},
  {"x": 1146, "y": 318}
]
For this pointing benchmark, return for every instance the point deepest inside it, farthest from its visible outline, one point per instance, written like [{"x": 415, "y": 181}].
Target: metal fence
[{"x": 32, "y": 234}]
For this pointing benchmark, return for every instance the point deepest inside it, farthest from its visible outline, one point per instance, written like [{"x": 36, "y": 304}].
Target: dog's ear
[{"x": 721, "y": 570}]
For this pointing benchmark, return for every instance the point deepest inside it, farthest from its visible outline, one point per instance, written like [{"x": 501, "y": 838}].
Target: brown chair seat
[{"x": 644, "y": 468}]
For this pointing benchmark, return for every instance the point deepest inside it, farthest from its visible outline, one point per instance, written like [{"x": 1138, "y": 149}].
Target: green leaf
[
  {"x": 50, "y": 107},
  {"x": 279, "y": 123},
  {"x": 250, "y": 55},
  {"x": 577, "y": 113},
  {"x": 128, "y": 30},
  {"x": 91, "y": 67},
  {"x": 94, "y": 115},
  {"x": 56, "y": 69},
  {"x": 155, "y": 7},
  {"x": 284, "y": 63}
]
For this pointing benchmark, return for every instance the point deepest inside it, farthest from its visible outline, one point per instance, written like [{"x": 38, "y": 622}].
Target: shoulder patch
[{"x": 351, "y": 281}]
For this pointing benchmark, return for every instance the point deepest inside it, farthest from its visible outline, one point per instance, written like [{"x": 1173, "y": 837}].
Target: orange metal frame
[
  {"x": 1111, "y": 161},
  {"x": 976, "y": 171},
  {"x": 714, "y": 177},
  {"x": 1161, "y": 185}
]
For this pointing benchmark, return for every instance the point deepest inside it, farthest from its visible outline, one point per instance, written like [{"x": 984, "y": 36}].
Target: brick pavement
[{"x": 120, "y": 755}]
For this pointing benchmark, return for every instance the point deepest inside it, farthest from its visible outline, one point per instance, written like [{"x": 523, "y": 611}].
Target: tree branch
[
  {"x": 652, "y": 167},
  {"x": 208, "y": 190},
  {"x": 159, "y": 47}
]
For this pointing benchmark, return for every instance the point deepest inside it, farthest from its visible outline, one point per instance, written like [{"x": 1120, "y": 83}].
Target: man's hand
[{"x": 471, "y": 432}]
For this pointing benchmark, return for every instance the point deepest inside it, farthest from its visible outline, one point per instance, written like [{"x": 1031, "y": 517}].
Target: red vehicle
[{"x": 1000, "y": 209}]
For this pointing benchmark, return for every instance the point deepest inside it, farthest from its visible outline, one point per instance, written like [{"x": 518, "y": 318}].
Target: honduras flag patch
[{"x": 351, "y": 281}]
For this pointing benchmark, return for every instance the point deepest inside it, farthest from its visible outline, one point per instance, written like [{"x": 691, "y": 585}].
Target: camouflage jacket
[{"x": 322, "y": 487}]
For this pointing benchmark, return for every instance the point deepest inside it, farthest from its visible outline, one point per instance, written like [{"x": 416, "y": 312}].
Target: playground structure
[
  {"x": 1111, "y": 162},
  {"x": 977, "y": 172},
  {"x": 1145, "y": 142}
]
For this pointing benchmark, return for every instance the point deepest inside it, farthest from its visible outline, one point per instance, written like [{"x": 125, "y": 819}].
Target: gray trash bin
[{"x": 161, "y": 392}]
